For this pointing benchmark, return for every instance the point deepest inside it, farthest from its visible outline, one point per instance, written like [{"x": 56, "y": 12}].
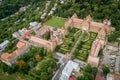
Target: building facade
[
  {"x": 103, "y": 29},
  {"x": 10, "y": 58}
]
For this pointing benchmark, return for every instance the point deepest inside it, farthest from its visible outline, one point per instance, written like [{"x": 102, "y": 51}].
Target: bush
[
  {"x": 106, "y": 70},
  {"x": 46, "y": 36}
]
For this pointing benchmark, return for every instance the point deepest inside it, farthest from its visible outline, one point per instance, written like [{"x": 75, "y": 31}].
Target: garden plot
[
  {"x": 84, "y": 46},
  {"x": 69, "y": 41}
]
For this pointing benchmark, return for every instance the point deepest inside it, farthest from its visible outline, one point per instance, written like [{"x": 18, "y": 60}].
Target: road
[{"x": 58, "y": 73}]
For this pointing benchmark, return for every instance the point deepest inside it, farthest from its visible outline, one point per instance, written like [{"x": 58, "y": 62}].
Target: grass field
[{"x": 56, "y": 22}]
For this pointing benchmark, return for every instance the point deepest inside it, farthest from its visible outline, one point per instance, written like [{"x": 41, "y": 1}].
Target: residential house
[
  {"x": 54, "y": 8},
  {"x": 35, "y": 26},
  {"x": 43, "y": 15},
  {"x": 110, "y": 76},
  {"x": 22, "y": 31},
  {"x": 26, "y": 35},
  {"x": 117, "y": 65},
  {"x": 62, "y": 1},
  {"x": 47, "y": 5},
  {"x": 23, "y": 9},
  {"x": 3, "y": 45},
  {"x": 22, "y": 34},
  {"x": 100, "y": 77},
  {"x": 16, "y": 35}
]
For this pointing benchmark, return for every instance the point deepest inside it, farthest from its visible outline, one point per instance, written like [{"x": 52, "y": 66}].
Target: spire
[
  {"x": 74, "y": 16},
  {"x": 102, "y": 33},
  {"x": 107, "y": 22},
  {"x": 88, "y": 18}
]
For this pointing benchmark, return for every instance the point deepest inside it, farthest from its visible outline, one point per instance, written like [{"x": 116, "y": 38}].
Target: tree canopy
[
  {"x": 45, "y": 69},
  {"x": 9, "y": 7},
  {"x": 98, "y": 9}
]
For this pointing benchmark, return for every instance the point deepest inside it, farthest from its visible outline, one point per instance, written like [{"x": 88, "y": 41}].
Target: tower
[{"x": 86, "y": 23}]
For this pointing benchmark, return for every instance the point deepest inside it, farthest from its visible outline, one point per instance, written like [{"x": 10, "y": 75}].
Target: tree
[
  {"x": 49, "y": 54},
  {"x": 76, "y": 1},
  {"x": 101, "y": 53},
  {"x": 106, "y": 70},
  {"x": 113, "y": 37},
  {"x": 86, "y": 76},
  {"x": 88, "y": 68},
  {"x": 44, "y": 69},
  {"x": 31, "y": 64},
  {"x": 7, "y": 10},
  {"x": 46, "y": 36},
  {"x": 21, "y": 63},
  {"x": 50, "y": 70},
  {"x": 37, "y": 58},
  {"x": 94, "y": 71},
  {"x": 80, "y": 78},
  {"x": 33, "y": 32},
  {"x": 44, "y": 76}
]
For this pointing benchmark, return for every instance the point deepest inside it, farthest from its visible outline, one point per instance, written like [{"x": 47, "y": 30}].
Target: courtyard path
[{"x": 74, "y": 47}]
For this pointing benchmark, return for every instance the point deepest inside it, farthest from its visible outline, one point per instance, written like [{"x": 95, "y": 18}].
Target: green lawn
[{"x": 56, "y": 22}]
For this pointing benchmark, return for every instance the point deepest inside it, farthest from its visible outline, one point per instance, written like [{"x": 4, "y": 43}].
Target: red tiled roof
[
  {"x": 117, "y": 77},
  {"x": 9, "y": 57},
  {"x": 28, "y": 33},
  {"x": 72, "y": 78},
  {"x": 99, "y": 77},
  {"x": 20, "y": 44},
  {"x": 5, "y": 56}
]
